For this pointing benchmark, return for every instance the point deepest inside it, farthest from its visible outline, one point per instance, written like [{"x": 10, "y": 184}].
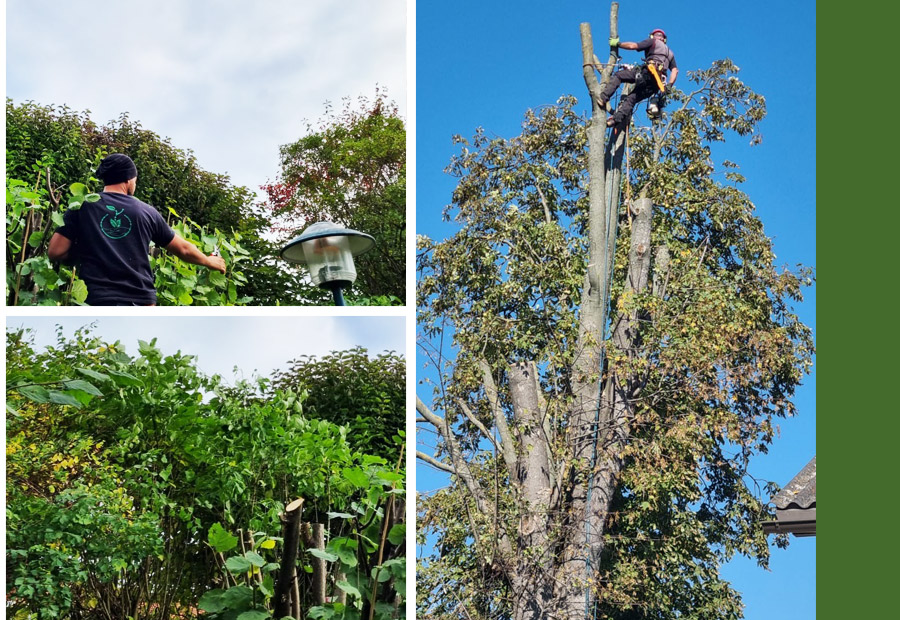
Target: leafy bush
[
  {"x": 118, "y": 466},
  {"x": 33, "y": 213}
]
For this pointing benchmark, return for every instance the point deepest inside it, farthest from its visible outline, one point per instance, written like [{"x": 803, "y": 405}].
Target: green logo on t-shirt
[{"x": 115, "y": 225}]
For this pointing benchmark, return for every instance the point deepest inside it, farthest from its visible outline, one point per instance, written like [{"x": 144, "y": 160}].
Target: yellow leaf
[{"x": 267, "y": 544}]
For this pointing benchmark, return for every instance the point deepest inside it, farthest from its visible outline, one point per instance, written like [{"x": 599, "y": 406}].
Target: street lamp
[{"x": 328, "y": 250}]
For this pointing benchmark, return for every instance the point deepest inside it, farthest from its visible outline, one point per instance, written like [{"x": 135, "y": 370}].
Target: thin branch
[
  {"x": 435, "y": 463},
  {"x": 547, "y": 217},
  {"x": 471, "y": 416}
]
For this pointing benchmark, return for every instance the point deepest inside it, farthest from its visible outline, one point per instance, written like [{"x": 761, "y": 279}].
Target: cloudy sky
[
  {"x": 230, "y": 80},
  {"x": 255, "y": 345}
]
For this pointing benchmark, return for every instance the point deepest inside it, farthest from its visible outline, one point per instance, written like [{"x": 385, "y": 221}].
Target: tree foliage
[
  {"x": 351, "y": 169},
  {"x": 71, "y": 145},
  {"x": 119, "y": 467},
  {"x": 350, "y": 388},
  {"x": 603, "y": 470}
]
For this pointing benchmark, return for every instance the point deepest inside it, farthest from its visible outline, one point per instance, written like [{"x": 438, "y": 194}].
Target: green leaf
[
  {"x": 238, "y": 597},
  {"x": 397, "y": 534},
  {"x": 217, "y": 279},
  {"x": 339, "y": 515},
  {"x": 123, "y": 378},
  {"x": 255, "y": 559},
  {"x": 93, "y": 374},
  {"x": 84, "y": 386},
  {"x": 347, "y": 556},
  {"x": 356, "y": 476},
  {"x": 92, "y": 198},
  {"x": 267, "y": 587},
  {"x": 61, "y": 398},
  {"x": 220, "y": 539},
  {"x": 35, "y": 239},
  {"x": 346, "y": 587},
  {"x": 389, "y": 476},
  {"x": 57, "y": 218},
  {"x": 213, "y": 601},
  {"x": 79, "y": 291},
  {"x": 35, "y": 393},
  {"x": 78, "y": 189},
  {"x": 323, "y": 555},
  {"x": 238, "y": 564}
]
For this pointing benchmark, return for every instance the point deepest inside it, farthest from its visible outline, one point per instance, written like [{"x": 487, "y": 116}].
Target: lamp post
[{"x": 328, "y": 250}]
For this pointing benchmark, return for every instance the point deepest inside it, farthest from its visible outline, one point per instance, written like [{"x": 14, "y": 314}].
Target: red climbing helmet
[{"x": 660, "y": 31}]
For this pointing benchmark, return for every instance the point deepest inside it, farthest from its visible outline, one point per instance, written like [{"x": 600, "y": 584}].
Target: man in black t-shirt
[
  {"x": 110, "y": 238},
  {"x": 658, "y": 58}
]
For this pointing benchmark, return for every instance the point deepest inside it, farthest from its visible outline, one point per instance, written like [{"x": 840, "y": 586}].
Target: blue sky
[{"x": 483, "y": 64}]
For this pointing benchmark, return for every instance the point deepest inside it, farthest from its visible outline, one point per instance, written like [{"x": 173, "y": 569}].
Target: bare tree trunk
[
  {"x": 290, "y": 525},
  {"x": 314, "y": 536}
]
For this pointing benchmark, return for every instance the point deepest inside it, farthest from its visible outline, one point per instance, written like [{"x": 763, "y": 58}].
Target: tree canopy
[
  {"x": 72, "y": 145},
  {"x": 351, "y": 169},
  {"x": 366, "y": 394},
  {"x": 607, "y": 371}
]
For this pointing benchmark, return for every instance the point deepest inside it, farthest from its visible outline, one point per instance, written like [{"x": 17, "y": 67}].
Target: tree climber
[{"x": 648, "y": 79}]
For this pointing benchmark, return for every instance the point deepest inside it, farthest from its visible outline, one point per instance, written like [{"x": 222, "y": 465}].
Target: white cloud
[
  {"x": 255, "y": 345},
  {"x": 232, "y": 81}
]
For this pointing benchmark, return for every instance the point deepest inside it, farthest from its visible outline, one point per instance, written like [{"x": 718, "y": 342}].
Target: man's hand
[
  {"x": 614, "y": 41},
  {"x": 186, "y": 251},
  {"x": 216, "y": 262}
]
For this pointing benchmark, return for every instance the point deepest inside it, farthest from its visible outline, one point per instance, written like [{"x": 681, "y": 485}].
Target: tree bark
[
  {"x": 314, "y": 538},
  {"x": 290, "y": 528}
]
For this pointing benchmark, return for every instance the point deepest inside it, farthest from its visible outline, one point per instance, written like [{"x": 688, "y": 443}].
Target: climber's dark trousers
[{"x": 644, "y": 87}]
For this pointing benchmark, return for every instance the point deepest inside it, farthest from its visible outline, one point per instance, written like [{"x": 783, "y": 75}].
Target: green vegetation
[
  {"x": 51, "y": 149},
  {"x": 351, "y": 170},
  {"x": 365, "y": 394},
  {"x": 137, "y": 487}
]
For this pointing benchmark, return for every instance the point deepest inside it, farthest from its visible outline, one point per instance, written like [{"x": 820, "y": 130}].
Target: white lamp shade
[{"x": 329, "y": 259}]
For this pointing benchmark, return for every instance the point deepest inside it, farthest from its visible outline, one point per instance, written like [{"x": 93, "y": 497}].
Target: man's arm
[
  {"x": 188, "y": 252},
  {"x": 673, "y": 75},
  {"x": 59, "y": 247},
  {"x": 629, "y": 45}
]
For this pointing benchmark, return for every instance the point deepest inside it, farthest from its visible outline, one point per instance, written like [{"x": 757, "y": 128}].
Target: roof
[
  {"x": 800, "y": 492},
  {"x": 795, "y": 505}
]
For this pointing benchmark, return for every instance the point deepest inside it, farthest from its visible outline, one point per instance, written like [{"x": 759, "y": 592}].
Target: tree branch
[
  {"x": 435, "y": 463},
  {"x": 471, "y": 416},
  {"x": 507, "y": 445}
]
